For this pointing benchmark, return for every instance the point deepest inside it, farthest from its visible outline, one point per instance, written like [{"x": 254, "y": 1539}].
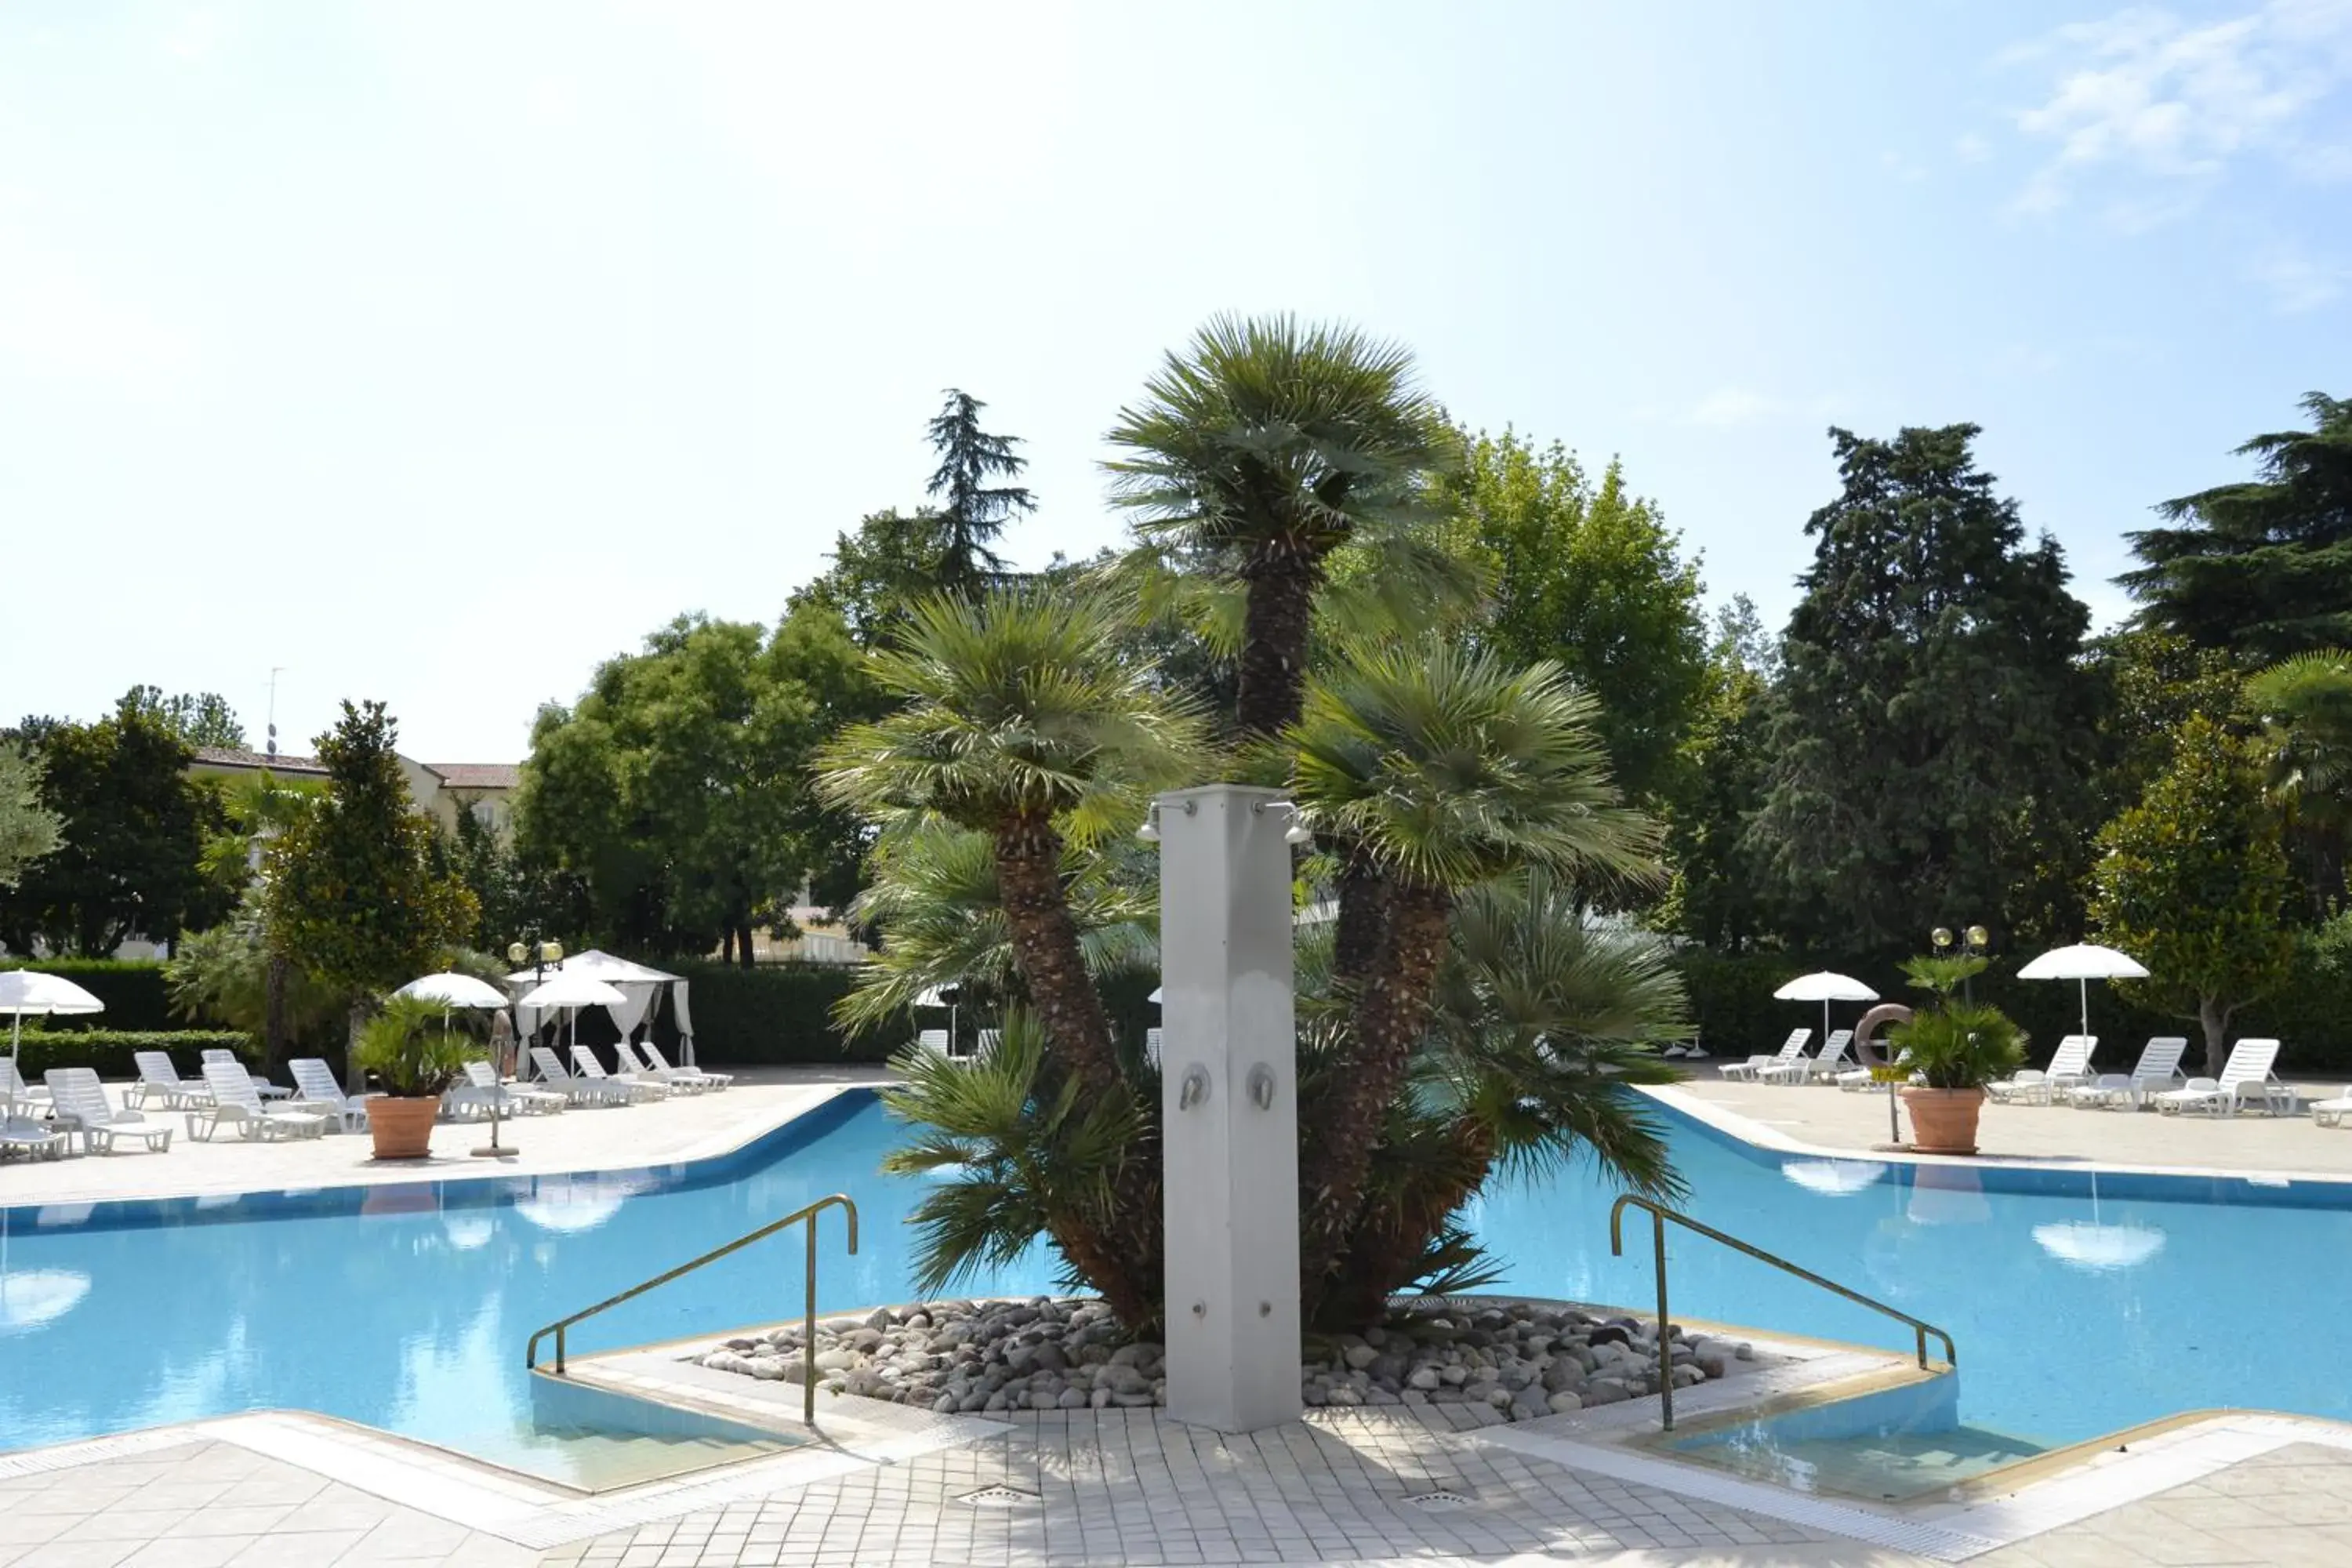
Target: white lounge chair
[
  {"x": 579, "y": 1091},
  {"x": 1790, "y": 1049},
  {"x": 651, "y": 1061},
  {"x": 1153, "y": 1040},
  {"x": 23, "y": 1135},
  {"x": 482, "y": 1091},
  {"x": 1805, "y": 1069},
  {"x": 935, "y": 1042},
  {"x": 2247, "y": 1075},
  {"x": 81, "y": 1105},
  {"x": 159, "y": 1079},
  {"x": 262, "y": 1085},
  {"x": 2159, "y": 1067},
  {"x": 1859, "y": 1080},
  {"x": 315, "y": 1088},
  {"x": 635, "y": 1068},
  {"x": 585, "y": 1064},
  {"x": 237, "y": 1102},
  {"x": 16, "y": 1092},
  {"x": 2331, "y": 1112},
  {"x": 2069, "y": 1067},
  {"x": 986, "y": 1046}
]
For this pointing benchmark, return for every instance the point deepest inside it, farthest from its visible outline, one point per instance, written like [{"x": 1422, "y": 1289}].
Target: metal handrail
[
  {"x": 1659, "y": 1214},
  {"x": 808, "y": 1327}
]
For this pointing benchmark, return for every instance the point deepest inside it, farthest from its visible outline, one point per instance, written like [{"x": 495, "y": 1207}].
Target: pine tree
[
  {"x": 972, "y": 510},
  {"x": 2262, "y": 568},
  {"x": 1926, "y": 756}
]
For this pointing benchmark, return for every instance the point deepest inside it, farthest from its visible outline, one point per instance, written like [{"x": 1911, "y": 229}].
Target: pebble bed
[{"x": 1522, "y": 1360}]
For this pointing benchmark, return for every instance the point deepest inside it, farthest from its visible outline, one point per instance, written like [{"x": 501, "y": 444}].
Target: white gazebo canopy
[{"x": 640, "y": 988}]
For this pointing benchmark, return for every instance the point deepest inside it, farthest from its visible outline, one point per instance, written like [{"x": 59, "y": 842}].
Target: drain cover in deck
[
  {"x": 1442, "y": 1501},
  {"x": 998, "y": 1496}
]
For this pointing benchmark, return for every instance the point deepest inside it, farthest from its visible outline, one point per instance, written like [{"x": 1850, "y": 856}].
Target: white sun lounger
[
  {"x": 935, "y": 1043},
  {"x": 1804, "y": 1068},
  {"x": 2069, "y": 1067},
  {"x": 575, "y": 1087},
  {"x": 1790, "y": 1049},
  {"x": 2331, "y": 1112},
  {"x": 482, "y": 1091},
  {"x": 2247, "y": 1075},
  {"x": 1154, "y": 1040},
  {"x": 235, "y": 1102},
  {"x": 585, "y": 1064},
  {"x": 2158, "y": 1068},
  {"x": 262, "y": 1085},
  {"x": 646, "y": 1059},
  {"x": 315, "y": 1088},
  {"x": 23, "y": 1135},
  {"x": 159, "y": 1079},
  {"x": 15, "y": 1091},
  {"x": 80, "y": 1103}
]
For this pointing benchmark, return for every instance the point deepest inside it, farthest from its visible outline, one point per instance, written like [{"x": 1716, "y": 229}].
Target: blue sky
[{"x": 435, "y": 351}]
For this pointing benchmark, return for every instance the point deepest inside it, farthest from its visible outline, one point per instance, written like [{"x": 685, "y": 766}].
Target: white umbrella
[
  {"x": 2083, "y": 964},
  {"x": 453, "y": 990},
  {"x": 23, "y": 991},
  {"x": 572, "y": 992},
  {"x": 1154, "y": 997},
  {"x": 1824, "y": 987}
]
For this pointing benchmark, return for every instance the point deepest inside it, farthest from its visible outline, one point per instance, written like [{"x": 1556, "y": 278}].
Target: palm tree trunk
[
  {"x": 1390, "y": 1010},
  {"x": 1274, "y": 622},
  {"x": 1386, "y": 1247},
  {"x": 1046, "y": 947},
  {"x": 1363, "y": 911}
]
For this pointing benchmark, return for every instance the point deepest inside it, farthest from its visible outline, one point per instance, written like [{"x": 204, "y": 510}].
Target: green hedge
[
  {"x": 131, "y": 988},
  {"x": 771, "y": 1013},
  {"x": 1732, "y": 999},
  {"x": 108, "y": 1050}
]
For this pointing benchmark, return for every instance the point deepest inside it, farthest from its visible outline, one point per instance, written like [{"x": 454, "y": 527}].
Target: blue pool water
[{"x": 407, "y": 1307}]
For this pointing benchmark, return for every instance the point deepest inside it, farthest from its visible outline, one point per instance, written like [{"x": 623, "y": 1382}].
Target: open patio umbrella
[
  {"x": 2083, "y": 964},
  {"x": 572, "y": 992},
  {"x": 23, "y": 991},
  {"x": 453, "y": 990},
  {"x": 1824, "y": 987}
]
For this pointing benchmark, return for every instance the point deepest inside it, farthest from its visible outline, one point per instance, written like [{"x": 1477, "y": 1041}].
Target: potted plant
[
  {"x": 415, "y": 1055},
  {"x": 1958, "y": 1046}
]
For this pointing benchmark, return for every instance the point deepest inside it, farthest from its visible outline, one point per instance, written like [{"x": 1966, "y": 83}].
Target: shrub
[
  {"x": 131, "y": 988},
  {"x": 108, "y": 1050},
  {"x": 410, "y": 1051},
  {"x": 773, "y": 1013}
]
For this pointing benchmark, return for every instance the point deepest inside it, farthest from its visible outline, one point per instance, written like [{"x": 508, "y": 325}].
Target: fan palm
[
  {"x": 1257, "y": 451},
  {"x": 1020, "y": 722},
  {"x": 1446, "y": 769}
]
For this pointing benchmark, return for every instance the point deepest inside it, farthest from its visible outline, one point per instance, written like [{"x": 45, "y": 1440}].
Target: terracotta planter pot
[
  {"x": 1944, "y": 1120},
  {"x": 403, "y": 1129}
]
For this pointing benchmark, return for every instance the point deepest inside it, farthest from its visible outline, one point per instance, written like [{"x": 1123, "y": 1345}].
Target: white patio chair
[
  {"x": 1153, "y": 1040},
  {"x": 2331, "y": 1112},
  {"x": 315, "y": 1088},
  {"x": 159, "y": 1079},
  {"x": 1790, "y": 1049},
  {"x": 482, "y": 1091},
  {"x": 237, "y": 1102},
  {"x": 575, "y": 1089},
  {"x": 2247, "y": 1075},
  {"x": 585, "y": 1064},
  {"x": 646, "y": 1061},
  {"x": 1825, "y": 1064},
  {"x": 39, "y": 1140},
  {"x": 2158, "y": 1066},
  {"x": 934, "y": 1042},
  {"x": 986, "y": 1046},
  {"x": 262, "y": 1085},
  {"x": 82, "y": 1106},
  {"x": 2069, "y": 1068},
  {"x": 15, "y": 1091}
]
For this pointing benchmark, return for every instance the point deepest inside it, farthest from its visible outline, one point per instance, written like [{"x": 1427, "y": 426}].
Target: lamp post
[
  {"x": 539, "y": 955},
  {"x": 1975, "y": 942}
]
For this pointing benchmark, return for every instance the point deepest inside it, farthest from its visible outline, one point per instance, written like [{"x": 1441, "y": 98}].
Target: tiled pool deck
[{"x": 1130, "y": 1486}]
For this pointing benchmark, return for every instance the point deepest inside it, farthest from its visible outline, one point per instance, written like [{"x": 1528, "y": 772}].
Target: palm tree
[
  {"x": 1447, "y": 769},
  {"x": 1020, "y": 722},
  {"x": 1259, "y": 450},
  {"x": 2307, "y": 702},
  {"x": 1541, "y": 1024}
]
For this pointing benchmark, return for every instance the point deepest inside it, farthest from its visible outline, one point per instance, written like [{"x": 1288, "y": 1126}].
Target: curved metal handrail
[
  {"x": 1659, "y": 1214},
  {"x": 808, "y": 1327}
]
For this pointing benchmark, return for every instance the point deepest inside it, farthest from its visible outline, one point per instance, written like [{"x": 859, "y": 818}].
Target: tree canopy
[
  {"x": 972, "y": 508},
  {"x": 2262, "y": 566},
  {"x": 28, "y": 829},
  {"x": 1926, "y": 747},
  {"x": 134, "y": 825}
]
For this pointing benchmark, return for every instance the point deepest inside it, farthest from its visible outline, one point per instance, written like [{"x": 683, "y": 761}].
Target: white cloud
[
  {"x": 2298, "y": 282},
  {"x": 1972, "y": 148},
  {"x": 2163, "y": 106}
]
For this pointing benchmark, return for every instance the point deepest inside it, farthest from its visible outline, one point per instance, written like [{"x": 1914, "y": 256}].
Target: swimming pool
[{"x": 407, "y": 1307}]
